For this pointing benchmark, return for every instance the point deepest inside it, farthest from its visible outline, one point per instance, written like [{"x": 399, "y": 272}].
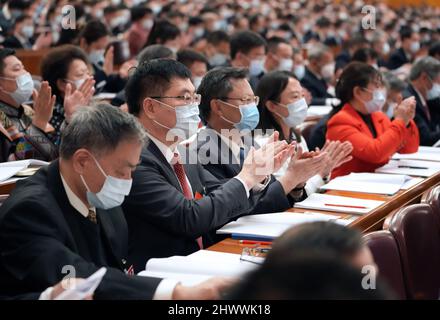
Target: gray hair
[
  {"x": 316, "y": 51},
  {"x": 392, "y": 82},
  {"x": 100, "y": 129},
  {"x": 428, "y": 65}
]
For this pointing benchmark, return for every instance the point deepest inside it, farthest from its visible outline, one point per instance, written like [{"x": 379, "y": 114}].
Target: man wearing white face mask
[
  {"x": 22, "y": 34},
  {"x": 318, "y": 74},
  {"x": 425, "y": 86},
  {"x": 79, "y": 197},
  {"x": 175, "y": 205},
  {"x": 248, "y": 50},
  {"x": 410, "y": 45},
  {"x": 279, "y": 55},
  {"x": 26, "y": 128}
]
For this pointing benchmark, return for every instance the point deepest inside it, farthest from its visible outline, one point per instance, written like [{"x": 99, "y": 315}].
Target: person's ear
[
  {"x": 357, "y": 93},
  {"x": 83, "y": 44},
  {"x": 80, "y": 159},
  {"x": 271, "y": 106},
  {"x": 216, "y": 109},
  {"x": 149, "y": 108}
]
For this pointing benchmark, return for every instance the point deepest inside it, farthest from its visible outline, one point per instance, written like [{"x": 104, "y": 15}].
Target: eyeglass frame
[
  {"x": 255, "y": 99},
  {"x": 197, "y": 98}
]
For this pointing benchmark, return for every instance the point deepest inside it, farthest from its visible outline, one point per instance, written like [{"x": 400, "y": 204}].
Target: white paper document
[
  {"x": 326, "y": 202},
  {"x": 11, "y": 168},
  {"x": 424, "y": 153},
  {"x": 198, "y": 267},
  {"x": 272, "y": 225},
  {"x": 85, "y": 288},
  {"x": 375, "y": 183},
  {"x": 410, "y": 167}
]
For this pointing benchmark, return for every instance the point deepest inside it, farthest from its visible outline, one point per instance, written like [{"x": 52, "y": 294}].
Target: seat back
[
  {"x": 386, "y": 254},
  {"x": 417, "y": 233}
]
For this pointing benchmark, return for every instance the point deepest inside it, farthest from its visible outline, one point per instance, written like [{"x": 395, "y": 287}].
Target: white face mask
[
  {"x": 256, "y": 67},
  {"x": 25, "y": 85},
  {"x": 148, "y": 24},
  {"x": 187, "y": 121},
  {"x": 297, "y": 113},
  {"x": 386, "y": 48},
  {"x": 434, "y": 92},
  {"x": 196, "y": 81},
  {"x": 299, "y": 71},
  {"x": 285, "y": 65},
  {"x": 96, "y": 57},
  {"x": 377, "y": 102},
  {"x": 415, "y": 46},
  {"x": 112, "y": 193},
  {"x": 27, "y": 31},
  {"x": 327, "y": 71},
  {"x": 218, "y": 59},
  {"x": 78, "y": 83}
]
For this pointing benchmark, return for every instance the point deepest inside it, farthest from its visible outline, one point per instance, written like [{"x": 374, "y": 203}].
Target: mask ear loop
[
  {"x": 231, "y": 105},
  {"x": 164, "y": 104},
  {"x": 100, "y": 168}
]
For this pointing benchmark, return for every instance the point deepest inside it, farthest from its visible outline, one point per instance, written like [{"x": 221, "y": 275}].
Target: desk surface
[{"x": 368, "y": 222}]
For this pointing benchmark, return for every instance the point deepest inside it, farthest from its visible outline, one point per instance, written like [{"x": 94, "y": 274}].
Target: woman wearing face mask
[
  {"x": 23, "y": 130},
  {"x": 67, "y": 70},
  {"x": 283, "y": 108},
  {"x": 374, "y": 137}
]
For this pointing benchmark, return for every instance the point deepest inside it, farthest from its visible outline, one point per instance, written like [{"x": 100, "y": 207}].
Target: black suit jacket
[
  {"x": 162, "y": 222},
  {"x": 13, "y": 43},
  {"x": 38, "y": 239},
  {"x": 397, "y": 59},
  {"x": 217, "y": 158},
  {"x": 317, "y": 88},
  {"x": 429, "y": 129}
]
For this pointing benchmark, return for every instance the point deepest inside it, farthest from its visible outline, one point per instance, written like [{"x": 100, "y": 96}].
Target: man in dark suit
[
  {"x": 410, "y": 45},
  {"x": 174, "y": 201},
  {"x": 319, "y": 72},
  {"x": 222, "y": 148},
  {"x": 66, "y": 220},
  {"x": 424, "y": 83}
]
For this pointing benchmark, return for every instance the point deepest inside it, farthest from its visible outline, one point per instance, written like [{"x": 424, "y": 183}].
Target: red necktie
[{"x": 181, "y": 176}]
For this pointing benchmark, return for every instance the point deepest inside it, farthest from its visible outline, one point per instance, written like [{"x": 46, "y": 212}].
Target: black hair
[
  {"x": 139, "y": 12},
  {"x": 93, "y": 31},
  {"x": 4, "y": 53},
  {"x": 302, "y": 275},
  {"x": 154, "y": 51},
  {"x": 245, "y": 41},
  {"x": 215, "y": 84},
  {"x": 405, "y": 33},
  {"x": 162, "y": 31},
  {"x": 150, "y": 79},
  {"x": 364, "y": 54},
  {"x": 217, "y": 37},
  {"x": 274, "y": 42},
  {"x": 189, "y": 56},
  {"x": 434, "y": 49},
  {"x": 56, "y": 63}
]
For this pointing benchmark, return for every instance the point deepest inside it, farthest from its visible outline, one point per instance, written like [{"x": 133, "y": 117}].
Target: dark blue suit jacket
[{"x": 317, "y": 88}]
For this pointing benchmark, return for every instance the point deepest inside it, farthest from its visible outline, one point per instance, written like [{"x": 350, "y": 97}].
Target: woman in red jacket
[{"x": 374, "y": 137}]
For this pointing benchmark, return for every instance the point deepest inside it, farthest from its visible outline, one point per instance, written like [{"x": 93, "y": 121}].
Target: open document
[
  {"x": 21, "y": 168},
  {"x": 325, "y": 202},
  {"x": 198, "y": 267},
  {"x": 417, "y": 168},
  {"x": 424, "y": 153},
  {"x": 272, "y": 225},
  {"x": 376, "y": 183}
]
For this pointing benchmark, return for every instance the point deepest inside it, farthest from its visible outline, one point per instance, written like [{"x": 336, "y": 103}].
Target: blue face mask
[
  {"x": 249, "y": 116},
  {"x": 112, "y": 193}
]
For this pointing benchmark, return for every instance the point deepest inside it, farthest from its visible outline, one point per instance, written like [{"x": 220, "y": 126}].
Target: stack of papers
[
  {"x": 417, "y": 168},
  {"x": 19, "y": 168},
  {"x": 376, "y": 183},
  {"x": 198, "y": 267},
  {"x": 424, "y": 153},
  {"x": 318, "y": 111},
  {"x": 272, "y": 225},
  {"x": 325, "y": 202}
]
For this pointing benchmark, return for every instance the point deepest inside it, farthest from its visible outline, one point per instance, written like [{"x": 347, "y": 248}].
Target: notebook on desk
[{"x": 19, "y": 168}]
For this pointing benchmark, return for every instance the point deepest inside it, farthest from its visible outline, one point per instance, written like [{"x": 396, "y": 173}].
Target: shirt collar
[
  {"x": 76, "y": 202},
  {"x": 420, "y": 96},
  {"x": 167, "y": 151}
]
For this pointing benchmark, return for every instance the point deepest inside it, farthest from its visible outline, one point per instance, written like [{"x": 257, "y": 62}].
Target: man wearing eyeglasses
[{"x": 175, "y": 205}]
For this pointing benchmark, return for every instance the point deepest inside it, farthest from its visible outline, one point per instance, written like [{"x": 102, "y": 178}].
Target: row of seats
[{"x": 408, "y": 251}]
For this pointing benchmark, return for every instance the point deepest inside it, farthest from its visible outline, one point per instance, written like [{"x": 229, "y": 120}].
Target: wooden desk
[
  {"x": 7, "y": 188},
  {"x": 366, "y": 223}
]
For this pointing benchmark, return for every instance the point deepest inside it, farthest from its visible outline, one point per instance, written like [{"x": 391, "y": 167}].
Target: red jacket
[{"x": 370, "y": 153}]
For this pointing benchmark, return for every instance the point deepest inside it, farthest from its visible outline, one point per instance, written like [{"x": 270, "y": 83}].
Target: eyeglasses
[
  {"x": 255, "y": 255},
  {"x": 187, "y": 98},
  {"x": 245, "y": 100}
]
